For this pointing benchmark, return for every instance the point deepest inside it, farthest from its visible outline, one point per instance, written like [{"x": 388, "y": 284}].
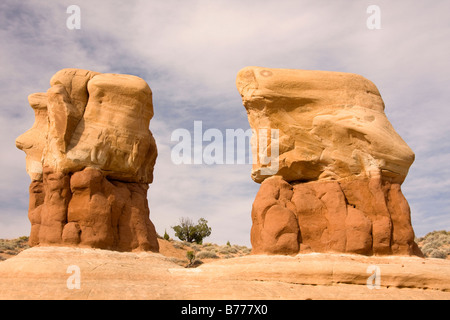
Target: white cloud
[{"x": 190, "y": 53}]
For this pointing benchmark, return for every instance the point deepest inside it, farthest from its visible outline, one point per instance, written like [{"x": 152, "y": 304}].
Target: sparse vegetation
[
  {"x": 227, "y": 249},
  {"x": 194, "y": 254},
  {"x": 207, "y": 254},
  {"x": 203, "y": 252},
  {"x": 166, "y": 235},
  {"x": 9, "y": 248},
  {"x": 193, "y": 262},
  {"x": 178, "y": 261},
  {"x": 187, "y": 231},
  {"x": 177, "y": 245},
  {"x": 435, "y": 244},
  {"x": 191, "y": 256}
]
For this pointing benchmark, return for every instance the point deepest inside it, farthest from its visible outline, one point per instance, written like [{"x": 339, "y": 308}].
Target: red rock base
[
  {"x": 368, "y": 216},
  {"x": 88, "y": 210}
]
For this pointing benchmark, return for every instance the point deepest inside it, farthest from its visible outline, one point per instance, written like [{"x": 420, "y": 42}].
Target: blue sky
[{"x": 190, "y": 52}]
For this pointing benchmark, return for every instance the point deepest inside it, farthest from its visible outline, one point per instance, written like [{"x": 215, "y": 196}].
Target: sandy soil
[{"x": 44, "y": 273}]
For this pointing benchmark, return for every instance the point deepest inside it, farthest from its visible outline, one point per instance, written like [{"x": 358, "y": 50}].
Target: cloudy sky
[{"x": 190, "y": 52}]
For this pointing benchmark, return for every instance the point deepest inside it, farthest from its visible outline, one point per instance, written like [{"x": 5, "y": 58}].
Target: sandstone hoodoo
[
  {"x": 90, "y": 156},
  {"x": 339, "y": 165}
]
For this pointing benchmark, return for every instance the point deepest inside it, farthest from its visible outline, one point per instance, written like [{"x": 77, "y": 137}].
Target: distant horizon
[{"x": 206, "y": 239}]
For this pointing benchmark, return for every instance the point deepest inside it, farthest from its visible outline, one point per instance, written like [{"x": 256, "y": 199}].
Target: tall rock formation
[
  {"x": 339, "y": 165},
  {"x": 90, "y": 156}
]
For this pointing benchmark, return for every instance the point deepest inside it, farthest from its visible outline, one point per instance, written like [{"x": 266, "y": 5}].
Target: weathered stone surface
[
  {"x": 331, "y": 216},
  {"x": 91, "y": 119},
  {"x": 340, "y": 165},
  {"x": 90, "y": 156},
  {"x": 331, "y": 124},
  {"x": 34, "y": 140},
  {"x": 118, "y": 114}
]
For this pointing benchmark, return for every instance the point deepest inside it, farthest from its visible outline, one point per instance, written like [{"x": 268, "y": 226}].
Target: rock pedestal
[
  {"x": 336, "y": 186},
  {"x": 90, "y": 156}
]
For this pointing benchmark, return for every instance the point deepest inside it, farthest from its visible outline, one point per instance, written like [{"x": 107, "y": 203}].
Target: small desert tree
[
  {"x": 191, "y": 257},
  {"x": 166, "y": 235},
  {"x": 187, "y": 231}
]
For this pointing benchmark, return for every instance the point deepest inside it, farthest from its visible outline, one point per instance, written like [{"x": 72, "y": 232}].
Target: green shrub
[
  {"x": 187, "y": 231},
  {"x": 166, "y": 235},
  {"x": 190, "y": 255},
  {"x": 438, "y": 254}
]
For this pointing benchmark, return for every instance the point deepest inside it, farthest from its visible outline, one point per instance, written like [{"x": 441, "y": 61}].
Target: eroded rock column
[
  {"x": 90, "y": 156},
  {"x": 339, "y": 165}
]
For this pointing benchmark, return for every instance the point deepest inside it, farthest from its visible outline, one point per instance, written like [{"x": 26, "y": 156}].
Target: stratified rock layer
[
  {"x": 339, "y": 167},
  {"x": 331, "y": 124},
  {"x": 90, "y": 156}
]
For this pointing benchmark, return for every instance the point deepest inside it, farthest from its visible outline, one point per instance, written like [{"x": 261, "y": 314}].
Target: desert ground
[{"x": 229, "y": 272}]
